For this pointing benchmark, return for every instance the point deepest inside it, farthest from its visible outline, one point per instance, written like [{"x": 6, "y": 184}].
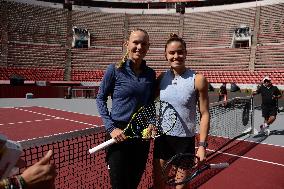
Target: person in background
[
  {"x": 223, "y": 94},
  {"x": 41, "y": 175},
  {"x": 270, "y": 95},
  {"x": 69, "y": 92},
  {"x": 184, "y": 89},
  {"x": 131, "y": 84},
  {"x": 88, "y": 92}
]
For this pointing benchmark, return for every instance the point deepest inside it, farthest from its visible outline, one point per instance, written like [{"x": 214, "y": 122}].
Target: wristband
[
  {"x": 203, "y": 144},
  {"x": 22, "y": 181}
]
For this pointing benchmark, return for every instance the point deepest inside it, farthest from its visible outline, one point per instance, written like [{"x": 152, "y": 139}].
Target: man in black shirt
[{"x": 270, "y": 95}]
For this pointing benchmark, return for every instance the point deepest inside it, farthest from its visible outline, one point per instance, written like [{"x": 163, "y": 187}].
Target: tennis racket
[
  {"x": 150, "y": 121},
  {"x": 184, "y": 167}
]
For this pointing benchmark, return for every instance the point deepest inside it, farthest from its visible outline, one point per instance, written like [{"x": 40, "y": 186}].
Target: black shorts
[
  {"x": 167, "y": 146},
  {"x": 268, "y": 111}
]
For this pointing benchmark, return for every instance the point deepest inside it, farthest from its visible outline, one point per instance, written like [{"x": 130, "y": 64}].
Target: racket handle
[
  {"x": 219, "y": 165},
  {"x": 102, "y": 146}
]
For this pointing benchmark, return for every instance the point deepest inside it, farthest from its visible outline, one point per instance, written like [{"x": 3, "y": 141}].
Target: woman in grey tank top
[{"x": 184, "y": 89}]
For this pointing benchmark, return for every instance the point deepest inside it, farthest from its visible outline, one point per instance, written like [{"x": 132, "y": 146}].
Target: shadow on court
[
  {"x": 277, "y": 132},
  {"x": 230, "y": 153}
]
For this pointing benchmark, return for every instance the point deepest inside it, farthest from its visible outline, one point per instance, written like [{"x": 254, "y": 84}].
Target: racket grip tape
[
  {"x": 219, "y": 166},
  {"x": 102, "y": 146}
]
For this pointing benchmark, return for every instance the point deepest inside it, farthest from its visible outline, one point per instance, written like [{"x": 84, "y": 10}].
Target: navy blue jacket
[{"x": 128, "y": 92}]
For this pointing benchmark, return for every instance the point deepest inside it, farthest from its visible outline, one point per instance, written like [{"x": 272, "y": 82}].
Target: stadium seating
[
  {"x": 215, "y": 28},
  {"x": 32, "y": 73},
  {"x": 106, "y": 29},
  {"x": 270, "y": 57},
  {"x": 94, "y": 58},
  {"x": 29, "y": 55},
  {"x": 35, "y": 24},
  {"x": 271, "y": 24},
  {"x": 244, "y": 77},
  {"x": 34, "y": 42}
]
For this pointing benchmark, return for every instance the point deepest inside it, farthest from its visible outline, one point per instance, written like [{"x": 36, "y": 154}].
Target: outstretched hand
[{"x": 40, "y": 175}]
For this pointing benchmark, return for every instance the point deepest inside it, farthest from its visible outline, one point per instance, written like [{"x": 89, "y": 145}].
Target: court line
[
  {"x": 69, "y": 111},
  {"x": 56, "y": 117},
  {"x": 276, "y": 145},
  {"x": 22, "y": 122},
  {"x": 249, "y": 158},
  {"x": 59, "y": 135}
]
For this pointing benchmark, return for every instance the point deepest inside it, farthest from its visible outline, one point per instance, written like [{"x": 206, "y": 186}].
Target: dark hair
[
  {"x": 175, "y": 37},
  {"x": 125, "y": 57}
]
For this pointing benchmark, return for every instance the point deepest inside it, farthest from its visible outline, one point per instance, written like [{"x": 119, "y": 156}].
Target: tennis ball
[{"x": 145, "y": 133}]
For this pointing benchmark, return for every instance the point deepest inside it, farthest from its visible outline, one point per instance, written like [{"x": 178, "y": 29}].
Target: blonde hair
[
  {"x": 122, "y": 62},
  {"x": 125, "y": 57}
]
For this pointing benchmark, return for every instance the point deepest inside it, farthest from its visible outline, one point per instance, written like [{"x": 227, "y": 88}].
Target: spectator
[
  {"x": 88, "y": 92},
  {"x": 69, "y": 92},
  {"x": 223, "y": 94}
]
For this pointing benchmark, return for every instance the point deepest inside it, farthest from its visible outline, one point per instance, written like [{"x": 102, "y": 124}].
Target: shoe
[
  {"x": 267, "y": 131},
  {"x": 261, "y": 129}
]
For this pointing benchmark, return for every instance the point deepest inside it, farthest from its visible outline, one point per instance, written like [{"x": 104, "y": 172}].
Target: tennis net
[
  {"x": 232, "y": 128},
  {"x": 230, "y": 119},
  {"x": 77, "y": 168}
]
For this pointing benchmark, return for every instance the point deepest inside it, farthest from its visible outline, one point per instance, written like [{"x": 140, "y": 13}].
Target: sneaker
[
  {"x": 261, "y": 128},
  {"x": 267, "y": 131}
]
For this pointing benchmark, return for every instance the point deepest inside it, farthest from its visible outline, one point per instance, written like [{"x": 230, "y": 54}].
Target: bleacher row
[
  {"x": 244, "y": 77},
  {"x": 35, "y": 24},
  {"x": 32, "y": 73},
  {"x": 271, "y": 24},
  {"x": 34, "y": 42},
  {"x": 213, "y": 29}
]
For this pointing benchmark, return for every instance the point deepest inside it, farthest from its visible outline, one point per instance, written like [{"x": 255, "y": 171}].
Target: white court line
[
  {"x": 56, "y": 117},
  {"x": 273, "y": 145},
  {"x": 52, "y": 109},
  {"x": 56, "y": 134},
  {"x": 28, "y": 121},
  {"x": 249, "y": 158},
  {"x": 70, "y": 111}
]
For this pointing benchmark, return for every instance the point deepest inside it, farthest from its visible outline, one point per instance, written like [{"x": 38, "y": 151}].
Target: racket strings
[
  {"x": 145, "y": 117},
  {"x": 153, "y": 120},
  {"x": 178, "y": 168},
  {"x": 167, "y": 119}
]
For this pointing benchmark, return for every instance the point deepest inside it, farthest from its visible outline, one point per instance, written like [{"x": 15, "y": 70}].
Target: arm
[
  {"x": 106, "y": 87},
  {"x": 257, "y": 90},
  {"x": 40, "y": 175},
  {"x": 277, "y": 94},
  {"x": 201, "y": 85},
  {"x": 220, "y": 91},
  {"x": 157, "y": 86}
]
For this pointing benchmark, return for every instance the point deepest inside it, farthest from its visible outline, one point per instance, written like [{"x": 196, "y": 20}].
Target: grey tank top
[{"x": 180, "y": 92}]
